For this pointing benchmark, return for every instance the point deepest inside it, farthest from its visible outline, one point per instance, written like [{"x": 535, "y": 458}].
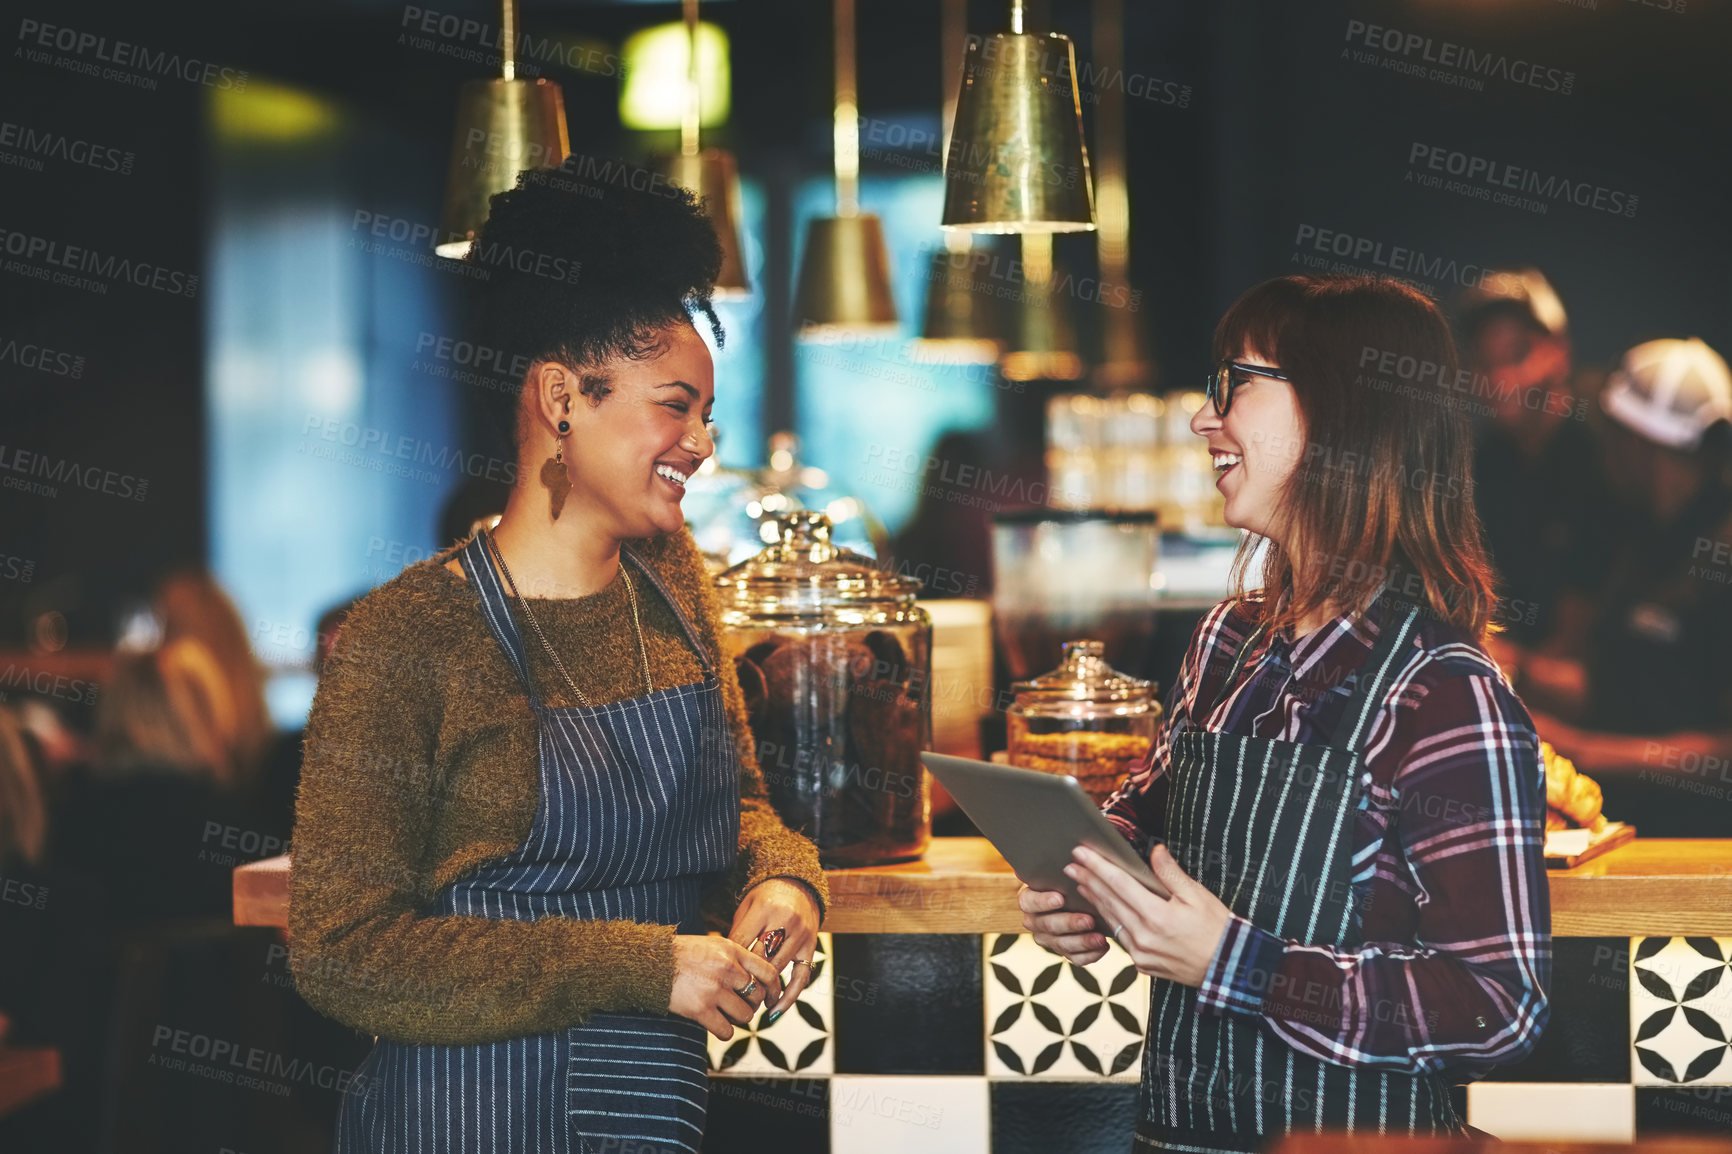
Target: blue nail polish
[{"x": 771, "y": 1019}]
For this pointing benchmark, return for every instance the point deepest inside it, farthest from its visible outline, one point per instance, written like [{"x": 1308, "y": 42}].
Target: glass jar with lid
[
  {"x": 835, "y": 660},
  {"x": 732, "y": 512},
  {"x": 1084, "y": 718}
]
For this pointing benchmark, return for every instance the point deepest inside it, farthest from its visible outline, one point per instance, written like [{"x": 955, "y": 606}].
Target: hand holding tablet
[{"x": 1035, "y": 820}]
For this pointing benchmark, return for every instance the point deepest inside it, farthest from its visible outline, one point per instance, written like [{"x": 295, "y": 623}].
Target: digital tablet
[{"x": 1035, "y": 820}]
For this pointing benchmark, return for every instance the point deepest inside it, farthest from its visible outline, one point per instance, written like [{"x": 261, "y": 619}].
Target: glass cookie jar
[
  {"x": 1085, "y": 719},
  {"x": 835, "y": 659}
]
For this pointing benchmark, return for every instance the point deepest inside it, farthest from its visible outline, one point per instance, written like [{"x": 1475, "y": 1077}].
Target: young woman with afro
[{"x": 529, "y": 784}]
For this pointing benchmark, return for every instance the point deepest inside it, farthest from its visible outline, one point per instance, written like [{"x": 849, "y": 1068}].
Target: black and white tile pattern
[
  {"x": 956, "y": 1044},
  {"x": 1046, "y": 1018},
  {"x": 1681, "y": 1011},
  {"x": 800, "y": 1042}
]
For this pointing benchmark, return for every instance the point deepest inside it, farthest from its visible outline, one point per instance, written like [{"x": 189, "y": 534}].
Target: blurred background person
[
  {"x": 133, "y": 823},
  {"x": 280, "y": 777},
  {"x": 57, "y": 745},
  {"x": 23, "y": 819},
  {"x": 1649, "y": 704},
  {"x": 23, "y": 845},
  {"x": 25, "y": 959},
  {"x": 190, "y": 604},
  {"x": 264, "y": 763},
  {"x": 1539, "y": 487},
  {"x": 140, "y": 842}
]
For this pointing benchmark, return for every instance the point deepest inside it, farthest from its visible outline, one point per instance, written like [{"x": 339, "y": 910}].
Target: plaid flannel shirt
[{"x": 1448, "y": 850}]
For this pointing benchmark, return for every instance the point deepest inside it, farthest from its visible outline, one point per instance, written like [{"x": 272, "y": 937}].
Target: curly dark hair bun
[{"x": 584, "y": 263}]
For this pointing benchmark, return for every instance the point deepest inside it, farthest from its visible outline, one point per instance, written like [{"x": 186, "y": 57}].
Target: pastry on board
[{"x": 1572, "y": 799}]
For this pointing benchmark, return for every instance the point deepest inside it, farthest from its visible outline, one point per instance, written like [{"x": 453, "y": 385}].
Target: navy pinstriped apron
[
  {"x": 639, "y": 810},
  {"x": 1267, "y": 826}
]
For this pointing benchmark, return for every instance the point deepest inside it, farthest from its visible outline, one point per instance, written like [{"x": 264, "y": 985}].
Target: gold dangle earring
[{"x": 553, "y": 474}]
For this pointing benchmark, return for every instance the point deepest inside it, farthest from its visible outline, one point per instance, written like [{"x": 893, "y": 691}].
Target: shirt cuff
[{"x": 1243, "y": 969}]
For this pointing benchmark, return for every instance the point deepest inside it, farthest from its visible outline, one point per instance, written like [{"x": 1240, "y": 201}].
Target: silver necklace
[{"x": 637, "y": 626}]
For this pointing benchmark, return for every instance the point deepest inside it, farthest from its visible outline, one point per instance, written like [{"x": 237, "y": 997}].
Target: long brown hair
[
  {"x": 168, "y": 708},
  {"x": 1382, "y": 493},
  {"x": 192, "y": 605},
  {"x": 23, "y": 815}
]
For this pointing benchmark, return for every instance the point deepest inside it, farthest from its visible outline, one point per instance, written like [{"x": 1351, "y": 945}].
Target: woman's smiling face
[
  {"x": 631, "y": 453},
  {"x": 1255, "y": 447}
]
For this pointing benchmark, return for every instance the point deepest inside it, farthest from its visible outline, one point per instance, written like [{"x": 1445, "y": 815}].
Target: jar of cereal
[{"x": 1085, "y": 719}]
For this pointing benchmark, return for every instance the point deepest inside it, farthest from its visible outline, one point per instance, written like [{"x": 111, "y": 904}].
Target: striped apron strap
[
  {"x": 691, "y": 630},
  {"x": 477, "y": 561},
  {"x": 1221, "y": 691},
  {"x": 1378, "y": 671}
]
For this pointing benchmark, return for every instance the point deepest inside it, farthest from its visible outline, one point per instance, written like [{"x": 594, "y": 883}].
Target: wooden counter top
[
  {"x": 1651, "y": 886},
  {"x": 1339, "y": 1143},
  {"x": 1654, "y": 886}
]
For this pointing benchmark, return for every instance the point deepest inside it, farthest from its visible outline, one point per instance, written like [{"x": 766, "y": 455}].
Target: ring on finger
[
  {"x": 1117, "y": 931},
  {"x": 746, "y": 991}
]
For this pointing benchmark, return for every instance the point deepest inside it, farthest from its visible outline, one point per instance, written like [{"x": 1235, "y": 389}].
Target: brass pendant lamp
[
  {"x": 1017, "y": 162},
  {"x": 844, "y": 283},
  {"x": 1044, "y": 345},
  {"x": 962, "y": 322},
  {"x": 504, "y": 126},
  {"x": 1125, "y": 363},
  {"x": 710, "y": 173}
]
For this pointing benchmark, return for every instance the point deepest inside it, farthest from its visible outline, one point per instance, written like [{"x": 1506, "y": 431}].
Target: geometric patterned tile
[
  {"x": 1553, "y": 1112},
  {"x": 1681, "y": 1011},
  {"x": 891, "y": 1114},
  {"x": 1046, "y": 1018},
  {"x": 799, "y": 1042}
]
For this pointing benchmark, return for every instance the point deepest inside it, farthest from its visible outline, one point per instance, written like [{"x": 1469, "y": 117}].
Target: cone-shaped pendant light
[
  {"x": 844, "y": 286},
  {"x": 961, "y": 324},
  {"x": 711, "y": 173},
  {"x": 504, "y": 125},
  {"x": 1044, "y": 345},
  {"x": 962, "y": 314},
  {"x": 1016, "y": 161},
  {"x": 1124, "y": 363}
]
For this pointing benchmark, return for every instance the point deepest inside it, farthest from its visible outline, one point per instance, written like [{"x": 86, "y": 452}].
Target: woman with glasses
[
  {"x": 1346, "y": 800},
  {"x": 529, "y": 783}
]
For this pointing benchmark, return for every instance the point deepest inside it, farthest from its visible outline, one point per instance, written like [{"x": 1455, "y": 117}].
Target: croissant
[{"x": 1574, "y": 795}]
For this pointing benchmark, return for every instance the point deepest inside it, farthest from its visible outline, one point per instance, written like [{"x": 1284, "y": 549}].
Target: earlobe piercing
[{"x": 564, "y": 427}]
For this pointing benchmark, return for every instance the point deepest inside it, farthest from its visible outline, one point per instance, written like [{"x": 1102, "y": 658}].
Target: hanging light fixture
[
  {"x": 1044, "y": 346},
  {"x": 710, "y": 173},
  {"x": 1017, "y": 162},
  {"x": 961, "y": 316},
  {"x": 961, "y": 324},
  {"x": 657, "y": 64},
  {"x": 1124, "y": 363},
  {"x": 504, "y": 126},
  {"x": 844, "y": 285}
]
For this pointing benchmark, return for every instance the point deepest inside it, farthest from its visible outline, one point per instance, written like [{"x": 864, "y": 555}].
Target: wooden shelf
[{"x": 1654, "y": 886}]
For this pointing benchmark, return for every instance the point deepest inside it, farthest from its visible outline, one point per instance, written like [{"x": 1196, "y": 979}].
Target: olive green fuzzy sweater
[{"x": 421, "y": 764}]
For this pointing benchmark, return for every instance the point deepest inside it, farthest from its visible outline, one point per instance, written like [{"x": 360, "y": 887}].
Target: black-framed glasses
[{"x": 1229, "y": 375}]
